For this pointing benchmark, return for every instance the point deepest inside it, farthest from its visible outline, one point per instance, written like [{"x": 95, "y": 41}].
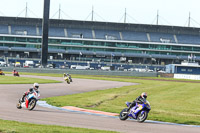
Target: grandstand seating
[
  {"x": 107, "y": 34},
  {"x": 116, "y": 54},
  {"x": 50, "y": 50},
  {"x": 164, "y": 56},
  {"x": 183, "y": 57},
  {"x": 101, "y": 34},
  {"x": 23, "y": 30},
  {"x": 134, "y": 36},
  {"x": 3, "y": 29},
  {"x": 189, "y": 39},
  {"x": 136, "y": 55},
  {"x": 73, "y": 51},
  {"x": 99, "y": 41},
  {"x": 23, "y": 49},
  {"x": 162, "y": 37},
  {"x": 56, "y": 32},
  {"x": 87, "y": 52},
  {"x": 4, "y": 48},
  {"x": 79, "y": 33}
]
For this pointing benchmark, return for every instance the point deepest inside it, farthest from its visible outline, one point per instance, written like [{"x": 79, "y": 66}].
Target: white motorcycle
[{"x": 29, "y": 101}]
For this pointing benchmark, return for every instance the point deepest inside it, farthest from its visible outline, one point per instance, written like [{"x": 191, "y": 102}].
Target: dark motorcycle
[
  {"x": 16, "y": 74},
  {"x": 138, "y": 112}
]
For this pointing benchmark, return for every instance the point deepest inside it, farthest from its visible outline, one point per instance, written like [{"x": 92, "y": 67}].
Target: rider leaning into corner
[
  {"x": 1, "y": 72},
  {"x": 33, "y": 89},
  {"x": 139, "y": 99},
  {"x": 67, "y": 75},
  {"x": 15, "y": 72}
]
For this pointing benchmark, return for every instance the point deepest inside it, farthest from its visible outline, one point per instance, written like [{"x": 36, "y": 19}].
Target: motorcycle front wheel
[
  {"x": 32, "y": 104},
  {"x": 142, "y": 116},
  {"x": 123, "y": 114},
  {"x": 19, "y": 106}
]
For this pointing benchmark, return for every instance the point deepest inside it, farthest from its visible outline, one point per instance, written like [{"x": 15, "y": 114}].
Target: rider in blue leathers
[{"x": 139, "y": 99}]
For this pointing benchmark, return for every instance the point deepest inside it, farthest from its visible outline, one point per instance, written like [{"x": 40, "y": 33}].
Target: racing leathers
[
  {"x": 31, "y": 90},
  {"x": 139, "y": 100},
  {"x": 67, "y": 75}
]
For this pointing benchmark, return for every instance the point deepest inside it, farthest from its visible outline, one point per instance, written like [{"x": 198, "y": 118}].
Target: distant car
[
  {"x": 161, "y": 71},
  {"x": 150, "y": 70},
  {"x": 105, "y": 68},
  {"x": 29, "y": 64},
  {"x": 17, "y": 64},
  {"x": 26, "y": 66},
  {"x": 91, "y": 68},
  {"x": 82, "y": 67},
  {"x": 37, "y": 65},
  {"x": 2, "y": 64}
]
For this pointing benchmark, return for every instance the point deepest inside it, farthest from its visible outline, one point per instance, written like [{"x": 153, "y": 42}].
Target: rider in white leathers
[{"x": 35, "y": 88}]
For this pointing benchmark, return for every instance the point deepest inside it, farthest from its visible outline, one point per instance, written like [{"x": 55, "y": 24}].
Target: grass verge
[
  {"x": 21, "y": 127},
  {"x": 24, "y": 80}
]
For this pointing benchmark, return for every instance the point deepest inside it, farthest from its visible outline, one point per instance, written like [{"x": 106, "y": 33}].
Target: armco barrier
[{"x": 82, "y": 72}]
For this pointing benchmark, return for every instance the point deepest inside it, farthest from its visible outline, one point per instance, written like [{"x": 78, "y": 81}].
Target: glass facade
[{"x": 69, "y": 45}]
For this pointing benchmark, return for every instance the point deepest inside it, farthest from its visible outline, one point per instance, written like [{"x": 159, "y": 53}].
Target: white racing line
[{"x": 44, "y": 104}]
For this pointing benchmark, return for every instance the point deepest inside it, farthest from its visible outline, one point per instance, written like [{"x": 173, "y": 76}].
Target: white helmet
[
  {"x": 36, "y": 85},
  {"x": 144, "y": 95}
]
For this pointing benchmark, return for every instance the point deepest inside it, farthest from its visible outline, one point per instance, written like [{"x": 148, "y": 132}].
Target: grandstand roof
[{"x": 102, "y": 25}]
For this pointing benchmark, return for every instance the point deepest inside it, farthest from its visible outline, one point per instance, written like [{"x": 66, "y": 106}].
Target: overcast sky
[{"x": 171, "y": 12}]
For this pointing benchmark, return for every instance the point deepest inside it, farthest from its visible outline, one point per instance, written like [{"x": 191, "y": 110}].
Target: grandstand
[{"x": 99, "y": 41}]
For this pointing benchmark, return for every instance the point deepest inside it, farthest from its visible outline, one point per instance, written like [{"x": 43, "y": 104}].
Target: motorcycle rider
[
  {"x": 1, "y": 72},
  {"x": 15, "y": 73},
  {"x": 139, "y": 99},
  {"x": 31, "y": 90},
  {"x": 64, "y": 75},
  {"x": 67, "y": 75}
]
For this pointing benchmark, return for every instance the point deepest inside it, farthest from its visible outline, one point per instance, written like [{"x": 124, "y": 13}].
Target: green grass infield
[
  {"x": 171, "y": 100},
  {"x": 24, "y": 80}
]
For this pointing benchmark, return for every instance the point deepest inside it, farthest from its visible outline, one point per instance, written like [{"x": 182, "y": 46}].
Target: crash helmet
[
  {"x": 36, "y": 86},
  {"x": 144, "y": 95}
]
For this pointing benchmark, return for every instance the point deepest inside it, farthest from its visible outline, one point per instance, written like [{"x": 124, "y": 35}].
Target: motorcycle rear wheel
[
  {"x": 32, "y": 104},
  {"x": 142, "y": 117},
  {"x": 123, "y": 116}
]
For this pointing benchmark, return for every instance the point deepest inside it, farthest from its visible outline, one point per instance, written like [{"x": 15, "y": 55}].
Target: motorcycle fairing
[
  {"x": 28, "y": 98},
  {"x": 128, "y": 104},
  {"x": 135, "y": 110},
  {"x": 26, "y": 102}
]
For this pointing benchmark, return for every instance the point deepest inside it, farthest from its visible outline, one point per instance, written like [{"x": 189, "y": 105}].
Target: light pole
[{"x": 45, "y": 30}]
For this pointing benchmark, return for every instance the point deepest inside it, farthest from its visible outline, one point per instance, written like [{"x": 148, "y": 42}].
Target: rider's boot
[{"x": 22, "y": 99}]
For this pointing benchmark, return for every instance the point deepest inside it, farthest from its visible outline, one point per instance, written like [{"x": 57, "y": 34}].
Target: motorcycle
[
  {"x": 29, "y": 101},
  {"x": 16, "y": 74},
  {"x": 138, "y": 112},
  {"x": 1, "y": 73},
  {"x": 68, "y": 79}
]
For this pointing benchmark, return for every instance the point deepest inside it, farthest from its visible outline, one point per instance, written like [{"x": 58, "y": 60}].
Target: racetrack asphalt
[{"x": 10, "y": 93}]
